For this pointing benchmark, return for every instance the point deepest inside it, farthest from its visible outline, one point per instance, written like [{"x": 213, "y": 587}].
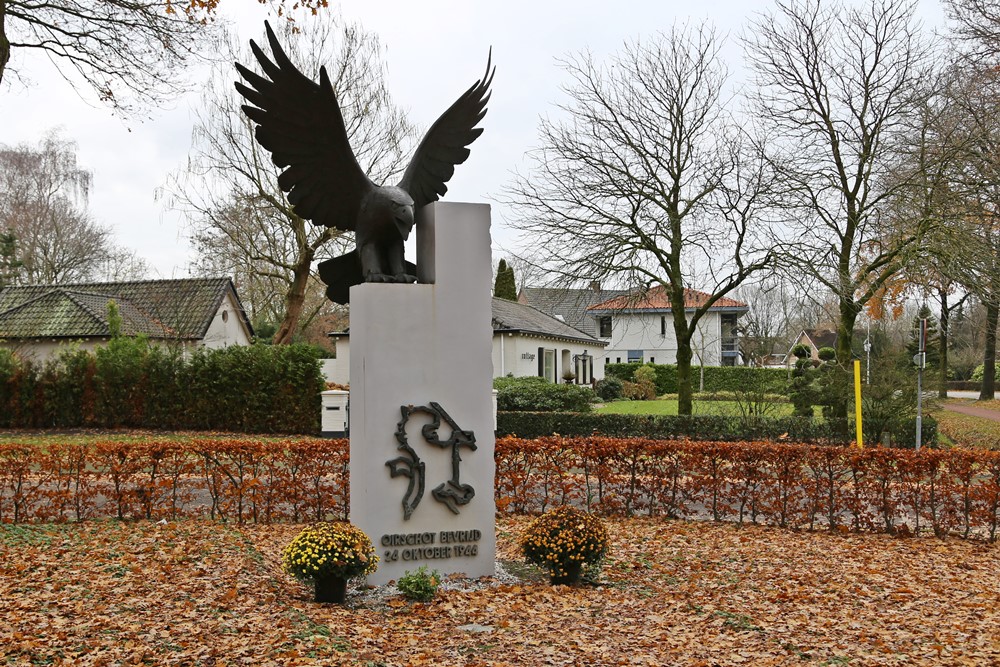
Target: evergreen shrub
[
  {"x": 536, "y": 394},
  {"x": 133, "y": 383}
]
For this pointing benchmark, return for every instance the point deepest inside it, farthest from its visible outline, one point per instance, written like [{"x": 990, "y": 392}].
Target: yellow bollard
[{"x": 857, "y": 400}]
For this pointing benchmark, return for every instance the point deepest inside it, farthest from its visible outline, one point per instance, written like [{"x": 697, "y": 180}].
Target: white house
[
  {"x": 36, "y": 320},
  {"x": 639, "y": 328},
  {"x": 526, "y": 342}
]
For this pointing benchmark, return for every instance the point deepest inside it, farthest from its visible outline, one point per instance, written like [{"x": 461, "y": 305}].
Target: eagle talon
[{"x": 405, "y": 278}]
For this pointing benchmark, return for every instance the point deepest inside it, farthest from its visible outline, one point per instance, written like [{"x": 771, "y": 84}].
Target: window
[
  {"x": 549, "y": 366},
  {"x": 663, "y": 325},
  {"x": 604, "y": 324},
  {"x": 652, "y": 360},
  {"x": 618, "y": 360},
  {"x": 635, "y": 356}
]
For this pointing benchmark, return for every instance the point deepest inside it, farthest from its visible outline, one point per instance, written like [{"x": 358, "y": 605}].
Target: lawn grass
[{"x": 670, "y": 593}]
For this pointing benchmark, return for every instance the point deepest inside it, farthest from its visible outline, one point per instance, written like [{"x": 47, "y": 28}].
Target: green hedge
[
  {"x": 717, "y": 378},
  {"x": 700, "y": 427},
  {"x": 537, "y": 394},
  {"x": 131, "y": 383}
]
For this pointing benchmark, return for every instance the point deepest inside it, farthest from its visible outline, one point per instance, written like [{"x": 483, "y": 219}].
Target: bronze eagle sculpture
[{"x": 300, "y": 123}]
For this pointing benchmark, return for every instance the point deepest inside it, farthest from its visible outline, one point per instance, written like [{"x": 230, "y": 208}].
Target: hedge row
[
  {"x": 717, "y": 378},
  {"x": 132, "y": 383},
  {"x": 700, "y": 427},
  {"x": 790, "y": 485},
  {"x": 233, "y": 480},
  {"x": 965, "y": 385}
]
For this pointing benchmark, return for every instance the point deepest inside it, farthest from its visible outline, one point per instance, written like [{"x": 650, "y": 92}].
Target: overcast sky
[{"x": 435, "y": 50}]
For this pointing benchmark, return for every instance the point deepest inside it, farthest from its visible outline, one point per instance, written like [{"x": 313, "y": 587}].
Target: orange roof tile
[{"x": 656, "y": 298}]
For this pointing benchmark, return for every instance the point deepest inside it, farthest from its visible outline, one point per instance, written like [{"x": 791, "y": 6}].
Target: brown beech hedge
[{"x": 947, "y": 492}]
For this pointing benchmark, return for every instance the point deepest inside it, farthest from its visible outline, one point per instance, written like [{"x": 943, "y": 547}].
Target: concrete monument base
[{"x": 422, "y": 440}]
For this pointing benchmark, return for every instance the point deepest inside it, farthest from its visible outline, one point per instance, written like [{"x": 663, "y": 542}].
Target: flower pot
[
  {"x": 331, "y": 589},
  {"x": 570, "y": 574}
]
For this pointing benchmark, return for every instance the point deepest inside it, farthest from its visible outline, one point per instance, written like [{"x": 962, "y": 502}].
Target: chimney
[{"x": 595, "y": 285}]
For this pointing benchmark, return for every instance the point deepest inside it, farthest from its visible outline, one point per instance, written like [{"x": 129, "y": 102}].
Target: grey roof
[
  {"x": 821, "y": 337},
  {"x": 182, "y": 308},
  {"x": 513, "y": 317},
  {"x": 510, "y": 316},
  {"x": 570, "y": 304}
]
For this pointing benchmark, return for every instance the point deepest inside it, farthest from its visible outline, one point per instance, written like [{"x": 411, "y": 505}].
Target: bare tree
[
  {"x": 977, "y": 26},
  {"x": 968, "y": 244},
  {"x": 241, "y": 221},
  {"x": 124, "y": 51},
  {"x": 927, "y": 156},
  {"x": 835, "y": 84},
  {"x": 43, "y": 194},
  {"x": 645, "y": 181}
]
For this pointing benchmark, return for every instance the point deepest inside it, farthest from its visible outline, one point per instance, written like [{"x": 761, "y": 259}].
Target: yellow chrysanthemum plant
[
  {"x": 564, "y": 540},
  {"x": 328, "y": 554}
]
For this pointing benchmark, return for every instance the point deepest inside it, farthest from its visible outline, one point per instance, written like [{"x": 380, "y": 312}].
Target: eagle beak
[{"x": 406, "y": 216}]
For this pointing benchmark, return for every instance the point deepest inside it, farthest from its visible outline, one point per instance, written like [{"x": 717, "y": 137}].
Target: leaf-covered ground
[
  {"x": 673, "y": 593},
  {"x": 978, "y": 430}
]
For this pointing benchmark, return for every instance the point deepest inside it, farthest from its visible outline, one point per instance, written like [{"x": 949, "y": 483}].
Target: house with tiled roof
[
  {"x": 639, "y": 328},
  {"x": 526, "y": 342},
  {"x": 570, "y": 305},
  {"x": 817, "y": 339},
  {"x": 35, "y": 320}
]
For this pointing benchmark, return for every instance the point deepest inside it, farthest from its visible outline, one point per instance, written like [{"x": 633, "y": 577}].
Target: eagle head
[{"x": 400, "y": 205}]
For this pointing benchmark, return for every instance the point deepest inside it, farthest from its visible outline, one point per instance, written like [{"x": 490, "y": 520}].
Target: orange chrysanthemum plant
[
  {"x": 329, "y": 554},
  {"x": 564, "y": 540}
]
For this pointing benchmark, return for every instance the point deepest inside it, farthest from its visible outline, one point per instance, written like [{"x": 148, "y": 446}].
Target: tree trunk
[
  {"x": 685, "y": 403},
  {"x": 990, "y": 351},
  {"x": 4, "y": 42},
  {"x": 943, "y": 365},
  {"x": 845, "y": 336},
  {"x": 294, "y": 301}
]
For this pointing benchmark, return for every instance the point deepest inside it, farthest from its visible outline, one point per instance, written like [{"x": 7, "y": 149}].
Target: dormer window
[{"x": 604, "y": 325}]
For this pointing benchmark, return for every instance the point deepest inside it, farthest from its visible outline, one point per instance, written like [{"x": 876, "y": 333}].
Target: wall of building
[
  {"x": 227, "y": 327},
  {"x": 42, "y": 350},
  {"x": 656, "y": 339},
  {"x": 515, "y": 355}
]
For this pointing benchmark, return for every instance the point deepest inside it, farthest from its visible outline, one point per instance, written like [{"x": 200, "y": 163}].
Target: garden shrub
[
  {"x": 535, "y": 394},
  {"x": 638, "y": 391},
  {"x": 609, "y": 389},
  {"x": 904, "y": 431}
]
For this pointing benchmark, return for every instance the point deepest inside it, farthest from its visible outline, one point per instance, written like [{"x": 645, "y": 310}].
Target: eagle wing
[
  {"x": 445, "y": 144},
  {"x": 300, "y": 123}
]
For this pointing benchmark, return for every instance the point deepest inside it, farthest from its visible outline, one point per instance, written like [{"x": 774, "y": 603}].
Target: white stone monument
[{"x": 420, "y": 358}]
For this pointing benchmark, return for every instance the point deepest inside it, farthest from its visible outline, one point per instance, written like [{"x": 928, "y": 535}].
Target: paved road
[{"x": 970, "y": 408}]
